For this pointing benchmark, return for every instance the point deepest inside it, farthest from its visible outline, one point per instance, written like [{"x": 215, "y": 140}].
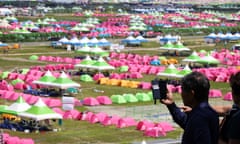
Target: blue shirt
[{"x": 200, "y": 125}]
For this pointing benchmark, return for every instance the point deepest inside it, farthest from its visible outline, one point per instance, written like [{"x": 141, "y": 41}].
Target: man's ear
[{"x": 193, "y": 92}]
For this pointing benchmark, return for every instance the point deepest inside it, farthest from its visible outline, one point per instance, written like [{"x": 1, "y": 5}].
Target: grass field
[{"x": 83, "y": 132}]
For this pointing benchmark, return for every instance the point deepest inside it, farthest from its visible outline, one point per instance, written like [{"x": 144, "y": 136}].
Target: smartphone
[
  {"x": 155, "y": 90},
  {"x": 163, "y": 89}
]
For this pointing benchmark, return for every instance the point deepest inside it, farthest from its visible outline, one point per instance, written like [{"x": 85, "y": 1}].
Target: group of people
[{"x": 199, "y": 120}]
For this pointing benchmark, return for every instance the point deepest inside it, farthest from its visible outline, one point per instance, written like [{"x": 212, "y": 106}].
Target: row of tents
[{"x": 39, "y": 111}]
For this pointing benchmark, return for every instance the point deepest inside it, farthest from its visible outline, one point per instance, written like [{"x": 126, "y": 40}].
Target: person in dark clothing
[
  {"x": 230, "y": 126},
  {"x": 198, "y": 119}
]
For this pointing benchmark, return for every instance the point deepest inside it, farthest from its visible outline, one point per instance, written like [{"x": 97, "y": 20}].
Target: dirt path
[{"x": 20, "y": 59}]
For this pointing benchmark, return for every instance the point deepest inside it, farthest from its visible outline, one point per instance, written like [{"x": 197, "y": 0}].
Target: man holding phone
[{"x": 200, "y": 123}]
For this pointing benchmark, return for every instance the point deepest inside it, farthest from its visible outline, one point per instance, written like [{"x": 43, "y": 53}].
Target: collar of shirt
[{"x": 200, "y": 106}]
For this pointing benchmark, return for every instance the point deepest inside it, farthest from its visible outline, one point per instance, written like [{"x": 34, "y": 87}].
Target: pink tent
[
  {"x": 21, "y": 76},
  {"x": 165, "y": 126},
  {"x": 77, "y": 102},
  {"x": 26, "y": 141},
  {"x": 14, "y": 96},
  {"x": 9, "y": 87},
  {"x": 221, "y": 78},
  {"x": 20, "y": 86},
  {"x": 42, "y": 58},
  {"x": 126, "y": 122},
  {"x": 94, "y": 119},
  {"x": 215, "y": 93},
  {"x": 12, "y": 76},
  {"x": 99, "y": 117},
  {"x": 5, "y": 136},
  {"x": 71, "y": 114},
  {"x": 1, "y": 92},
  {"x": 12, "y": 140},
  {"x": 98, "y": 76},
  {"x": 143, "y": 125},
  {"x": 155, "y": 132},
  {"x": 58, "y": 59},
  {"x": 86, "y": 116},
  {"x": 113, "y": 55},
  {"x": 228, "y": 96},
  {"x": 26, "y": 96},
  {"x": 104, "y": 100},
  {"x": 45, "y": 99},
  {"x": 7, "y": 94},
  {"x": 59, "y": 111},
  {"x": 171, "y": 88},
  {"x": 90, "y": 101},
  {"x": 16, "y": 140},
  {"x": 111, "y": 120},
  {"x": 145, "y": 85},
  {"x": 32, "y": 100},
  {"x": 54, "y": 102},
  {"x": 107, "y": 121},
  {"x": 178, "y": 89}
]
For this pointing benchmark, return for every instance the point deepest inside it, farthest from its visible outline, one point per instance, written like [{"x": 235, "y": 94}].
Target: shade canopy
[
  {"x": 208, "y": 59},
  {"x": 192, "y": 58},
  {"x": 100, "y": 64},
  {"x": 183, "y": 72},
  {"x": 47, "y": 79},
  {"x": 170, "y": 71},
  {"x": 15, "y": 108},
  {"x": 40, "y": 111},
  {"x": 64, "y": 82}
]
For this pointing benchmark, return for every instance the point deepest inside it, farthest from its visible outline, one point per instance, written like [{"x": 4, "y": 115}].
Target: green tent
[
  {"x": 33, "y": 57},
  {"x": 150, "y": 94},
  {"x": 4, "y": 74},
  {"x": 14, "y": 82},
  {"x": 162, "y": 58},
  {"x": 24, "y": 71},
  {"x": 143, "y": 97},
  {"x": 86, "y": 78},
  {"x": 130, "y": 98},
  {"x": 118, "y": 99},
  {"x": 123, "y": 69}
]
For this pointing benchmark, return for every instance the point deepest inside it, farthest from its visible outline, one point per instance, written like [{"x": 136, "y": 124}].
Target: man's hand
[
  {"x": 185, "y": 108},
  {"x": 169, "y": 99}
]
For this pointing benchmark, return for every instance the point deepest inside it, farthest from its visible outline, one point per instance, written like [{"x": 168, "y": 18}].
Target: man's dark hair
[
  {"x": 197, "y": 82},
  {"x": 235, "y": 83}
]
